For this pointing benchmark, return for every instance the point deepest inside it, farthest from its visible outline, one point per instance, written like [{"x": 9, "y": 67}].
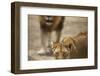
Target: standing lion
[{"x": 48, "y": 24}]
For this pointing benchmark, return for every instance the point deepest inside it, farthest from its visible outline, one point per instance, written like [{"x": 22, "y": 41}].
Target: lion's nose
[{"x": 49, "y": 18}]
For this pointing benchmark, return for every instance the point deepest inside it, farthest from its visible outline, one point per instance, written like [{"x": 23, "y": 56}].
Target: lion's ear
[
  {"x": 70, "y": 46},
  {"x": 73, "y": 45}
]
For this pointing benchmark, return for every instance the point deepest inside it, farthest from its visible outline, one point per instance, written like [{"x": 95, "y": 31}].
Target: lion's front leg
[
  {"x": 45, "y": 43},
  {"x": 44, "y": 40},
  {"x": 58, "y": 35}
]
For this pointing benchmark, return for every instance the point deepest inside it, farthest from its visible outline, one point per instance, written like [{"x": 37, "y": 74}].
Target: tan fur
[
  {"x": 56, "y": 21},
  {"x": 48, "y": 24},
  {"x": 59, "y": 51},
  {"x": 71, "y": 47},
  {"x": 78, "y": 45}
]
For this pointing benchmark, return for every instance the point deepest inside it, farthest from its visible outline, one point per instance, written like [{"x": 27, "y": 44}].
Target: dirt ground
[{"x": 72, "y": 26}]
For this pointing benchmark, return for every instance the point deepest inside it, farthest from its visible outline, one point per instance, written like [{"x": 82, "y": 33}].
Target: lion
[
  {"x": 71, "y": 47},
  {"x": 48, "y": 24}
]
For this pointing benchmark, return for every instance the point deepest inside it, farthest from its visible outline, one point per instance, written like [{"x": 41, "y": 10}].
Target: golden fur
[
  {"x": 59, "y": 51},
  {"x": 71, "y": 47},
  {"x": 48, "y": 24},
  {"x": 77, "y": 44}
]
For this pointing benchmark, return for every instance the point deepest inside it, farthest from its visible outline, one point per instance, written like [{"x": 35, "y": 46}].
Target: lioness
[{"x": 71, "y": 47}]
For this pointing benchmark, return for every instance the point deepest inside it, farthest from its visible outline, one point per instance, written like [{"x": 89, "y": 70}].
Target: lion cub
[
  {"x": 59, "y": 51},
  {"x": 71, "y": 47}
]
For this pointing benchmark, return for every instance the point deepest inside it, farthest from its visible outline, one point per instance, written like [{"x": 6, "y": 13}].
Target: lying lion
[{"x": 71, "y": 47}]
